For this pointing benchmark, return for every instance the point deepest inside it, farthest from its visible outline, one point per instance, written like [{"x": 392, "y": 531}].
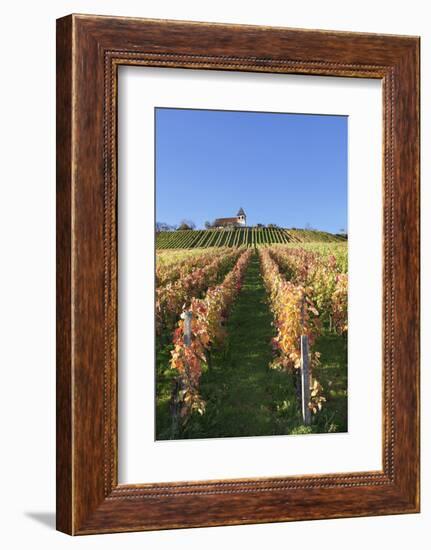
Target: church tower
[{"x": 242, "y": 217}]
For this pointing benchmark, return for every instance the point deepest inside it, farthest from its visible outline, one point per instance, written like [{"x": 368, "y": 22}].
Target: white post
[
  {"x": 187, "y": 328},
  {"x": 305, "y": 381}
]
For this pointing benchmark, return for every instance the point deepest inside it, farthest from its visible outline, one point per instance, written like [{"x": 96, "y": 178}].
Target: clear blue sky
[{"x": 287, "y": 169}]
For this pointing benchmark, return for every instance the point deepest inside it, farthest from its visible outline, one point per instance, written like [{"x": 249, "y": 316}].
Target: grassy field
[
  {"x": 248, "y": 236},
  {"x": 246, "y": 398}
]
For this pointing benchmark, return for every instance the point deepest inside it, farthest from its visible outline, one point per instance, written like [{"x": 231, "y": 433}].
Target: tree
[
  {"x": 162, "y": 226},
  {"x": 186, "y": 224},
  {"x": 208, "y": 225}
]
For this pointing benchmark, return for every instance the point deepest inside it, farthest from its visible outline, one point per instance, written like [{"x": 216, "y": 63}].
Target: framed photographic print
[{"x": 237, "y": 274}]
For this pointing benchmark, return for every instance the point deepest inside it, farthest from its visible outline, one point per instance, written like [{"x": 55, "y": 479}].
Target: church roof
[
  {"x": 225, "y": 221},
  {"x": 241, "y": 212}
]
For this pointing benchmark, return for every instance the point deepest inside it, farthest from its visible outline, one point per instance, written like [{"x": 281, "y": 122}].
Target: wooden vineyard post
[
  {"x": 179, "y": 384},
  {"x": 305, "y": 381},
  {"x": 188, "y": 328}
]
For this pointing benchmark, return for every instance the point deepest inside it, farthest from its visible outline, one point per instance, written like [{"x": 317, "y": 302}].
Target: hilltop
[{"x": 244, "y": 236}]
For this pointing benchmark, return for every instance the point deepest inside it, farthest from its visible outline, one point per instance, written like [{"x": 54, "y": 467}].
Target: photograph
[{"x": 251, "y": 276}]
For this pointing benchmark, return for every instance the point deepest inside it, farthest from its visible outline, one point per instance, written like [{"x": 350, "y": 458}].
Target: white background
[
  {"x": 141, "y": 458},
  {"x": 27, "y": 123}
]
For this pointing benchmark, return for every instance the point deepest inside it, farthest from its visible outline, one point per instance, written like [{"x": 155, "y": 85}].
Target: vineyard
[
  {"x": 230, "y": 324},
  {"x": 248, "y": 236}
]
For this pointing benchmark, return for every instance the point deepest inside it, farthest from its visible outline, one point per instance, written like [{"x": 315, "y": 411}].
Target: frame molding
[{"x": 89, "y": 51}]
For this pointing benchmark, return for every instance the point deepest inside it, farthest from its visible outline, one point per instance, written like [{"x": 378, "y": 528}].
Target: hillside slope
[{"x": 248, "y": 236}]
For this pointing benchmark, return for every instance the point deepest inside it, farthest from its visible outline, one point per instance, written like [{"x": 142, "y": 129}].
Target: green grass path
[{"x": 243, "y": 396}]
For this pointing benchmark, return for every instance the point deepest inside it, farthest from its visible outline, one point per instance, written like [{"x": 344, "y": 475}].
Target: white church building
[{"x": 240, "y": 220}]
